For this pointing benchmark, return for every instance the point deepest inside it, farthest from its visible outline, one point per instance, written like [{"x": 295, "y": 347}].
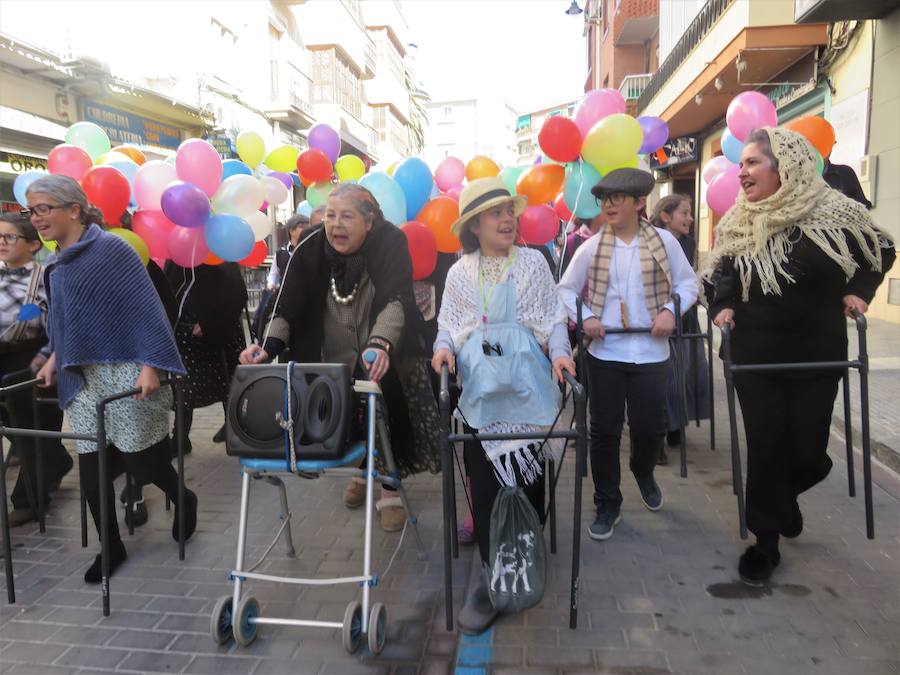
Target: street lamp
[{"x": 574, "y": 9}]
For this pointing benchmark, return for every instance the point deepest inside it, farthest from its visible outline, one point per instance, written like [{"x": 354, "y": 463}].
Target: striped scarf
[{"x": 654, "y": 269}]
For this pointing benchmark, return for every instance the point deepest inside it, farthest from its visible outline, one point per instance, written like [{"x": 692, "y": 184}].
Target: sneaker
[
  {"x": 604, "y": 524},
  {"x": 651, "y": 495},
  {"x": 757, "y": 564},
  {"x": 355, "y": 493},
  {"x": 138, "y": 515}
]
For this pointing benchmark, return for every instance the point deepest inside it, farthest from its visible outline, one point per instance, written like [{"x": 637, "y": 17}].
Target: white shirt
[{"x": 626, "y": 284}]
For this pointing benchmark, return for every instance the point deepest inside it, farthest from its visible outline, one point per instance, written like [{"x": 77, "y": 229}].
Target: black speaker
[{"x": 321, "y": 406}]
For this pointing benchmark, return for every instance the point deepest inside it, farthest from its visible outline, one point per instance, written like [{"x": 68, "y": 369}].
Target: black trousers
[
  {"x": 641, "y": 387},
  {"x": 152, "y": 465},
  {"x": 485, "y": 488},
  {"x": 787, "y": 421}
]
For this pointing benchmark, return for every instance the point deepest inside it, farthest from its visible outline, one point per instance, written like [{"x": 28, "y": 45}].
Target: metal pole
[
  {"x": 580, "y": 472},
  {"x": 447, "y": 476},
  {"x": 38, "y": 465},
  {"x": 4, "y": 525},
  {"x": 736, "y": 477},
  {"x": 179, "y": 426},
  {"x": 103, "y": 477},
  {"x": 864, "y": 411},
  {"x": 372, "y": 412},
  {"x": 680, "y": 381},
  {"x": 712, "y": 408},
  {"x": 848, "y": 433},
  {"x": 552, "y": 509},
  {"x": 82, "y": 500}
]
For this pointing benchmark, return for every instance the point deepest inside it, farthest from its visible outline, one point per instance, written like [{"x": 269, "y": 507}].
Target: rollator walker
[{"x": 295, "y": 419}]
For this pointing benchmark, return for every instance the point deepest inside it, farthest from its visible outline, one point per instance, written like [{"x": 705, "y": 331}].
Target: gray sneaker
[
  {"x": 604, "y": 524},
  {"x": 651, "y": 495}
]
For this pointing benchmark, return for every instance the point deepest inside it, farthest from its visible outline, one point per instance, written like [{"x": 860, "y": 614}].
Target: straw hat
[{"x": 481, "y": 195}]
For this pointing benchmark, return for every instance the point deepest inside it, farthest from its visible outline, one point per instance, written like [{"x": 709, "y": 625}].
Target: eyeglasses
[
  {"x": 489, "y": 348},
  {"x": 43, "y": 209},
  {"x": 11, "y": 238},
  {"x": 614, "y": 198}
]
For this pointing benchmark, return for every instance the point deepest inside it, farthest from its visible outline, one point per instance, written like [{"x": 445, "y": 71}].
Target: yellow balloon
[
  {"x": 251, "y": 148},
  {"x": 112, "y": 156},
  {"x": 349, "y": 167},
  {"x": 390, "y": 169},
  {"x": 49, "y": 243},
  {"x": 628, "y": 163},
  {"x": 283, "y": 159},
  {"x": 613, "y": 139},
  {"x": 134, "y": 241}
]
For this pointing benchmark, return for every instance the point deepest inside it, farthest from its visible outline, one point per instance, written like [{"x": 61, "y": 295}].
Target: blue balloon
[
  {"x": 414, "y": 178},
  {"x": 20, "y": 185},
  {"x": 435, "y": 192},
  {"x": 29, "y": 311},
  {"x": 233, "y": 167},
  {"x": 296, "y": 179},
  {"x": 580, "y": 178},
  {"x": 388, "y": 194},
  {"x": 229, "y": 237},
  {"x": 731, "y": 147},
  {"x": 304, "y": 209},
  {"x": 129, "y": 170}
]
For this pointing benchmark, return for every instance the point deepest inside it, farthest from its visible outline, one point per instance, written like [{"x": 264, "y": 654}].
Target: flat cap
[{"x": 630, "y": 181}]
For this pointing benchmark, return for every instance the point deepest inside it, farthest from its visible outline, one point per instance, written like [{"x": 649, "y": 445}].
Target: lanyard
[{"x": 486, "y": 297}]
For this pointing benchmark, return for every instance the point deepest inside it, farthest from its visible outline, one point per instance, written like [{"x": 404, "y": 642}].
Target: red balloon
[
  {"x": 422, "y": 246},
  {"x": 538, "y": 224},
  {"x": 257, "y": 255},
  {"x": 154, "y": 228},
  {"x": 560, "y": 139},
  {"x": 314, "y": 165},
  {"x": 107, "y": 188},
  {"x": 561, "y": 208},
  {"x": 69, "y": 160}
]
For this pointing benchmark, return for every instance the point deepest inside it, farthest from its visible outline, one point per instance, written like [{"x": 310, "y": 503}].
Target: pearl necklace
[{"x": 342, "y": 299}]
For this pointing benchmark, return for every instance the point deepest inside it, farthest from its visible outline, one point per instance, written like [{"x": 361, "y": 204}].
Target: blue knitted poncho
[{"x": 104, "y": 309}]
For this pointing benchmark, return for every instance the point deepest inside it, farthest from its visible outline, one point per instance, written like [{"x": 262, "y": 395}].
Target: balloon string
[
  {"x": 562, "y": 252},
  {"x": 189, "y": 287},
  {"x": 283, "y": 284}
]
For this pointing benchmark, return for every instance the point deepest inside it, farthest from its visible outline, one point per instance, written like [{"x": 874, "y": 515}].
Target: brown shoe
[
  {"x": 355, "y": 493},
  {"x": 393, "y": 515}
]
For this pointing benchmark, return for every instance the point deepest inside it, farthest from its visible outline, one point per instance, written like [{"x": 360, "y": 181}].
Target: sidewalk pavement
[{"x": 661, "y": 596}]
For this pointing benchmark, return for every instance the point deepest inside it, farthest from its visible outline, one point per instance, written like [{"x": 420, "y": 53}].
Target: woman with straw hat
[{"x": 499, "y": 317}]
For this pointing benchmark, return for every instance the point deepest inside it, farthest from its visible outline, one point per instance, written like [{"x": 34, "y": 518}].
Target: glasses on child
[
  {"x": 10, "y": 239},
  {"x": 614, "y": 198}
]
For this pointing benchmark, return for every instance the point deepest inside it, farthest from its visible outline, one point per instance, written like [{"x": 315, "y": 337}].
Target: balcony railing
[
  {"x": 699, "y": 28},
  {"x": 633, "y": 86}
]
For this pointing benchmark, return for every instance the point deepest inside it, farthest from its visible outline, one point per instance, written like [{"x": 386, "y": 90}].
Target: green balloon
[
  {"x": 317, "y": 193},
  {"x": 509, "y": 176},
  {"x": 89, "y": 137},
  {"x": 820, "y": 163}
]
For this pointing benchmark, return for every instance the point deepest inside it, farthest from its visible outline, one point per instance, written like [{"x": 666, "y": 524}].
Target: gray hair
[
  {"x": 65, "y": 190},
  {"x": 318, "y": 211},
  {"x": 363, "y": 200},
  {"x": 761, "y": 138}
]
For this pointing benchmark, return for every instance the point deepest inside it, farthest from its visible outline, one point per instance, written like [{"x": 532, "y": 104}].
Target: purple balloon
[
  {"x": 185, "y": 204},
  {"x": 326, "y": 139},
  {"x": 538, "y": 160},
  {"x": 285, "y": 178},
  {"x": 656, "y": 133}
]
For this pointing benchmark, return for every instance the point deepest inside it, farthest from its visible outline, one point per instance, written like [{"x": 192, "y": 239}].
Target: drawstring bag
[{"x": 516, "y": 569}]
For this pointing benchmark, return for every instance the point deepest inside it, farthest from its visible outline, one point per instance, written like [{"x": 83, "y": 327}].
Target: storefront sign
[
  {"x": 11, "y": 162},
  {"x": 676, "y": 151},
  {"x": 125, "y": 127},
  {"x": 224, "y": 146}
]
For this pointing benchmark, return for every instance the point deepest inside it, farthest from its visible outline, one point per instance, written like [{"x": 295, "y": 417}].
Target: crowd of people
[{"x": 495, "y": 316}]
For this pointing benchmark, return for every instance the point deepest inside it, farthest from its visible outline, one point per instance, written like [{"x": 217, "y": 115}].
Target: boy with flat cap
[{"x": 632, "y": 270}]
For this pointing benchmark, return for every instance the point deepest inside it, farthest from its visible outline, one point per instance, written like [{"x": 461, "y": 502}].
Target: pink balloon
[
  {"x": 748, "y": 111},
  {"x": 723, "y": 190},
  {"x": 597, "y": 104},
  {"x": 714, "y": 167},
  {"x": 69, "y": 160},
  {"x": 451, "y": 171},
  {"x": 198, "y": 162},
  {"x": 454, "y": 192},
  {"x": 151, "y": 179},
  {"x": 187, "y": 246},
  {"x": 154, "y": 228}
]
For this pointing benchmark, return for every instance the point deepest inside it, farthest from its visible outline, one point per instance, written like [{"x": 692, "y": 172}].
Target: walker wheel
[
  {"x": 377, "y": 628},
  {"x": 244, "y": 629},
  {"x": 352, "y": 632},
  {"x": 220, "y": 621}
]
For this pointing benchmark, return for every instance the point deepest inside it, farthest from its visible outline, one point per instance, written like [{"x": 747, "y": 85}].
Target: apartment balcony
[
  {"x": 370, "y": 59},
  {"x": 634, "y": 85},
  {"x": 290, "y": 96}
]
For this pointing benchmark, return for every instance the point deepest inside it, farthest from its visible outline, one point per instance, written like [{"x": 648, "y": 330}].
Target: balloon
[
  {"x": 212, "y": 259},
  {"x": 135, "y": 241},
  {"x": 439, "y": 215},
  {"x": 257, "y": 255},
  {"x": 632, "y": 162},
  {"x": 239, "y": 195},
  {"x": 390, "y": 169},
  {"x": 561, "y": 208},
  {"x": 107, "y": 188},
  {"x": 750, "y": 110},
  {"x": 274, "y": 189},
  {"x": 560, "y": 139},
  {"x": 21, "y": 183},
  {"x": 481, "y": 167},
  {"x": 614, "y": 138},
  {"x": 185, "y": 204},
  {"x": 111, "y": 156},
  {"x": 349, "y": 167},
  {"x": 69, "y": 160},
  {"x": 133, "y": 153},
  {"x": 656, "y": 133},
  {"x": 731, "y": 147},
  {"x": 317, "y": 193},
  {"x": 150, "y": 181},
  {"x": 304, "y": 208},
  {"x": 449, "y": 172},
  {"x": 287, "y": 179},
  {"x": 314, "y": 165},
  {"x": 422, "y": 245},
  {"x": 154, "y": 228},
  {"x": 259, "y": 223},
  {"x": 817, "y": 131},
  {"x": 434, "y": 192},
  {"x": 388, "y": 194},
  {"x": 187, "y": 246},
  {"x": 541, "y": 183},
  {"x": 89, "y": 137},
  {"x": 229, "y": 237},
  {"x": 455, "y": 192},
  {"x": 414, "y": 178},
  {"x": 198, "y": 162},
  {"x": 324, "y": 138},
  {"x": 510, "y": 176},
  {"x": 129, "y": 170},
  {"x": 714, "y": 167},
  {"x": 250, "y": 148},
  {"x": 723, "y": 190},
  {"x": 580, "y": 178},
  {"x": 538, "y": 224},
  {"x": 597, "y": 104},
  {"x": 233, "y": 167},
  {"x": 820, "y": 162}
]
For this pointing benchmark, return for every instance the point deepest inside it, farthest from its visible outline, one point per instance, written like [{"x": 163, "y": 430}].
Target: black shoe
[
  {"x": 19, "y": 517},
  {"x": 138, "y": 514},
  {"x": 187, "y": 447},
  {"x": 796, "y": 526},
  {"x": 117, "y": 556},
  {"x": 190, "y": 516},
  {"x": 478, "y": 613},
  {"x": 757, "y": 564},
  {"x": 53, "y": 484},
  {"x": 651, "y": 495},
  {"x": 604, "y": 524},
  {"x": 219, "y": 437},
  {"x": 673, "y": 438},
  {"x": 663, "y": 458}
]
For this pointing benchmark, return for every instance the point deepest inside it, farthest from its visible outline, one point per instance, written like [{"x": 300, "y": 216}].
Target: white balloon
[
  {"x": 274, "y": 189},
  {"x": 240, "y": 195},
  {"x": 259, "y": 223}
]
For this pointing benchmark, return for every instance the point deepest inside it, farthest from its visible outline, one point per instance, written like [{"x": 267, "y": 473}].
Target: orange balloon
[
  {"x": 817, "y": 130},
  {"x": 306, "y": 182},
  {"x": 438, "y": 215},
  {"x": 541, "y": 183},
  {"x": 131, "y": 153},
  {"x": 481, "y": 167},
  {"x": 212, "y": 259}
]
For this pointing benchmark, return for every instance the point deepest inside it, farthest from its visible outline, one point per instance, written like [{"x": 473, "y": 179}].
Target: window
[
  {"x": 379, "y": 123},
  {"x": 335, "y": 81}
]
